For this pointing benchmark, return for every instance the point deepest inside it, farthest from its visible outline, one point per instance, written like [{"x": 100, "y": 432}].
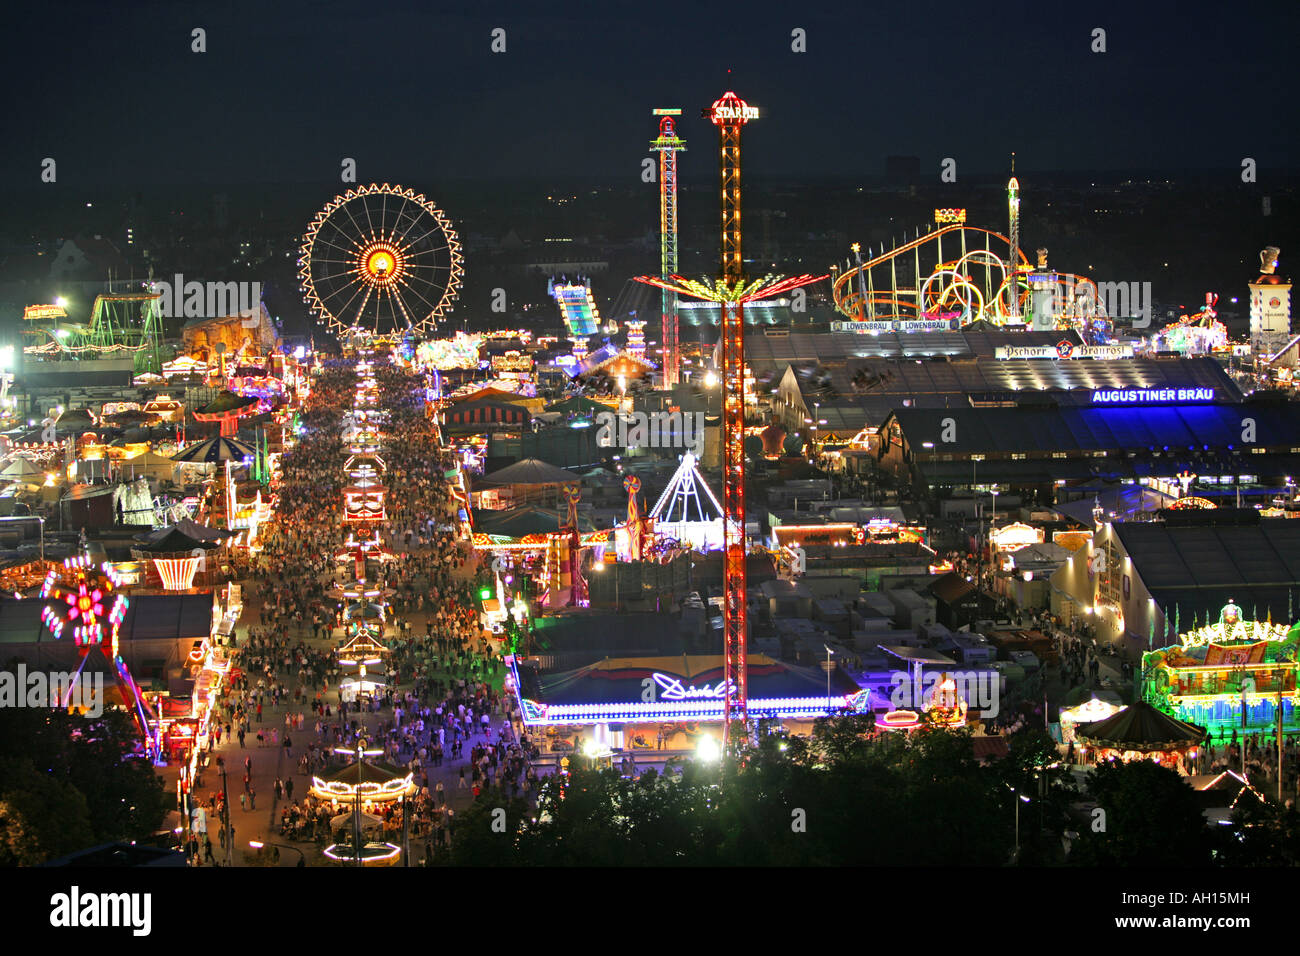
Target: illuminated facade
[
  {"x": 177, "y": 573},
  {"x": 686, "y": 689},
  {"x": 1231, "y": 675}
]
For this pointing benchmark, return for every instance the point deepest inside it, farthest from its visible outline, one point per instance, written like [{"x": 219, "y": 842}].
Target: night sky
[{"x": 413, "y": 92}]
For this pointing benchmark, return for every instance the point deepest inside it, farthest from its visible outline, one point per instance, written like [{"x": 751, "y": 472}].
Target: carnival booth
[
  {"x": 1229, "y": 675},
  {"x": 618, "y": 700}
]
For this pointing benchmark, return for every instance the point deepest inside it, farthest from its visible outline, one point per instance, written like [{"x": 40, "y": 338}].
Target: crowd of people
[{"x": 442, "y": 714}]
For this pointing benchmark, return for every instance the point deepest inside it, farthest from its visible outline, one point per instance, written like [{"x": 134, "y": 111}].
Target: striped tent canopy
[{"x": 216, "y": 450}]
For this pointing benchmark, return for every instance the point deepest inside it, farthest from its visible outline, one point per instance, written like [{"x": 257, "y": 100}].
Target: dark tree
[
  {"x": 1152, "y": 818},
  {"x": 91, "y": 758}
]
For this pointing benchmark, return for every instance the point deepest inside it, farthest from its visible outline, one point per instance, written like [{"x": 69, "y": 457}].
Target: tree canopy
[{"x": 68, "y": 782}]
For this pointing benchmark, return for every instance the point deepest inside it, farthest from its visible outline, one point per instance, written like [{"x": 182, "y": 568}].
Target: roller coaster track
[{"x": 853, "y": 287}]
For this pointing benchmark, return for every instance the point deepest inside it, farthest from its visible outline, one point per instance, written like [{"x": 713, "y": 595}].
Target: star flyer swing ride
[
  {"x": 732, "y": 289},
  {"x": 85, "y": 600}
]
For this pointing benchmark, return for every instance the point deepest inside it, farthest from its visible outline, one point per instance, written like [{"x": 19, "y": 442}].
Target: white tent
[
  {"x": 21, "y": 468},
  {"x": 1098, "y": 707},
  {"x": 149, "y": 464}
]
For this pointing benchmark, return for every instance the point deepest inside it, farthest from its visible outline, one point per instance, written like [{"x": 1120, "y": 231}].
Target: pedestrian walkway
[{"x": 289, "y": 590}]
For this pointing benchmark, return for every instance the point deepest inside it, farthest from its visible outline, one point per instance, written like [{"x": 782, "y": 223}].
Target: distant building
[
  {"x": 1041, "y": 448},
  {"x": 1139, "y": 579},
  {"x": 94, "y": 259}
]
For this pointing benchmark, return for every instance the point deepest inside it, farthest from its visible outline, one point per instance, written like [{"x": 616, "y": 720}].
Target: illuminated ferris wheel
[{"x": 382, "y": 261}]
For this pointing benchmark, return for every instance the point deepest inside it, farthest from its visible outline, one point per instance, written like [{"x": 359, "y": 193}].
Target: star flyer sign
[{"x": 1065, "y": 349}]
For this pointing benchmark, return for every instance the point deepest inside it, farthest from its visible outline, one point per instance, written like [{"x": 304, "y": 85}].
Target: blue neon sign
[{"x": 1151, "y": 396}]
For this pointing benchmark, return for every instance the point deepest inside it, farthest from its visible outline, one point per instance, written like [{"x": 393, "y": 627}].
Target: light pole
[
  {"x": 817, "y": 414},
  {"x": 302, "y": 859},
  {"x": 42, "y": 521},
  {"x": 829, "y": 652},
  {"x": 406, "y": 832},
  {"x": 1020, "y": 798},
  {"x": 1244, "y": 702},
  {"x": 1278, "y": 714},
  {"x": 225, "y": 813}
]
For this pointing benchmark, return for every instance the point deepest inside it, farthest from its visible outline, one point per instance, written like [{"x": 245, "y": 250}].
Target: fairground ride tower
[{"x": 668, "y": 145}]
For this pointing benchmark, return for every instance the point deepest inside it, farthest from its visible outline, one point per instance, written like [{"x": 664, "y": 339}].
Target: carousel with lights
[{"x": 359, "y": 788}]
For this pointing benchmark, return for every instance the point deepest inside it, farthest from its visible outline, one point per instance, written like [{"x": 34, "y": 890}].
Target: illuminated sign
[
  {"x": 949, "y": 215},
  {"x": 862, "y": 326},
  {"x": 677, "y": 703},
  {"x": 1064, "y": 349},
  {"x": 33, "y": 312},
  {"x": 538, "y": 712},
  {"x": 901, "y": 325},
  {"x": 735, "y": 112},
  {"x": 923, "y": 325},
  {"x": 512, "y": 362},
  {"x": 1143, "y": 396},
  {"x": 673, "y": 689}
]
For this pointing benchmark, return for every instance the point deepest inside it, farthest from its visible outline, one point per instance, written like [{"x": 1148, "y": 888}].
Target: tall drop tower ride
[
  {"x": 1013, "y": 264},
  {"x": 732, "y": 290},
  {"x": 668, "y": 145}
]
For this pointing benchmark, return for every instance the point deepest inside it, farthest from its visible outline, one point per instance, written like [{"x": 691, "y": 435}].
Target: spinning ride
[{"x": 84, "y": 599}]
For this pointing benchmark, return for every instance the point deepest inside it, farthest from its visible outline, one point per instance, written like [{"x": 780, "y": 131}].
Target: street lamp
[
  {"x": 1244, "y": 703},
  {"x": 829, "y": 652},
  {"x": 1021, "y": 798},
  {"x": 707, "y": 749},
  {"x": 225, "y": 813},
  {"x": 258, "y": 844}
]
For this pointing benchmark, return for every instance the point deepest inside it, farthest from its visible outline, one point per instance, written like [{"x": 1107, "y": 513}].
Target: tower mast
[
  {"x": 668, "y": 145},
  {"x": 729, "y": 114},
  {"x": 1013, "y": 267},
  {"x": 731, "y": 289}
]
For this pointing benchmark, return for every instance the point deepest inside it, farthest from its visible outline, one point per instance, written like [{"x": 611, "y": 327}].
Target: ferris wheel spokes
[{"x": 403, "y": 284}]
